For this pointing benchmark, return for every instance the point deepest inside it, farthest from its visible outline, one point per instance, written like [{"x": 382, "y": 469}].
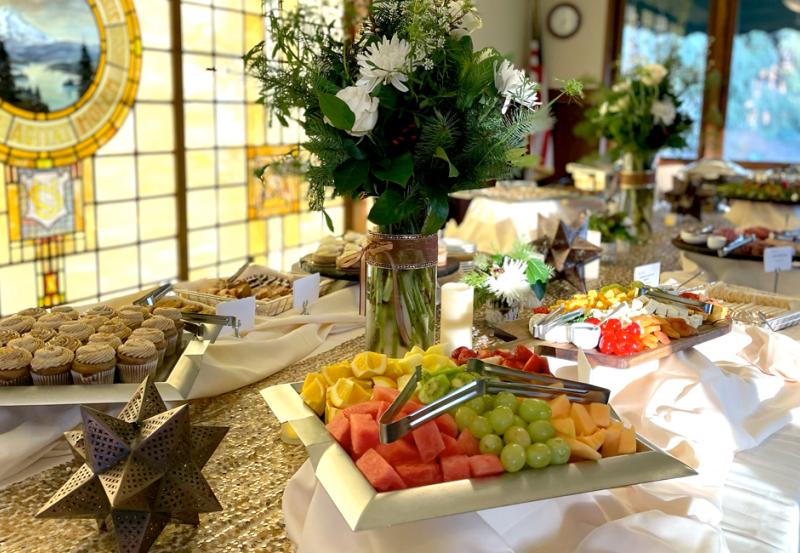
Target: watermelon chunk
[
  {"x": 455, "y": 467},
  {"x": 339, "y": 428},
  {"x": 371, "y": 408},
  {"x": 451, "y": 446},
  {"x": 485, "y": 465},
  {"x": 411, "y": 406},
  {"x": 378, "y": 472},
  {"x": 429, "y": 441},
  {"x": 468, "y": 444},
  {"x": 384, "y": 393},
  {"x": 447, "y": 425},
  {"x": 398, "y": 453},
  {"x": 363, "y": 432},
  {"x": 419, "y": 474}
]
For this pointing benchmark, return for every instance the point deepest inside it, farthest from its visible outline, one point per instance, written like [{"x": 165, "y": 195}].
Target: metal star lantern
[
  {"x": 141, "y": 469},
  {"x": 566, "y": 249}
]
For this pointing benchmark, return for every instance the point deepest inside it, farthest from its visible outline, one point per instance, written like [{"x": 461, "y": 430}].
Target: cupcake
[
  {"x": 44, "y": 334},
  {"x": 65, "y": 341},
  {"x": 94, "y": 321},
  {"x": 67, "y": 310},
  {"x": 77, "y": 329},
  {"x": 6, "y": 335},
  {"x": 167, "y": 327},
  {"x": 102, "y": 310},
  {"x": 117, "y": 328},
  {"x": 153, "y": 335},
  {"x": 136, "y": 358},
  {"x": 27, "y": 342},
  {"x": 173, "y": 315},
  {"x": 94, "y": 364},
  {"x": 52, "y": 321},
  {"x": 105, "y": 338},
  {"x": 15, "y": 366},
  {"x": 132, "y": 319},
  {"x": 143, "y": 309},
  {"x": 20, "y": 323},
  {"x": 51, "y": 366},
  {"x": 34, "y": 312}
]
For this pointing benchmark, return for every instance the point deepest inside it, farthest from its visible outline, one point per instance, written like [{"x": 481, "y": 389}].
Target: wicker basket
[{"x": 264, "y": 308}]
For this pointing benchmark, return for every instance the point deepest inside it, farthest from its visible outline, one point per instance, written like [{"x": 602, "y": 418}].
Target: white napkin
[{"x": 773, "y": 353}]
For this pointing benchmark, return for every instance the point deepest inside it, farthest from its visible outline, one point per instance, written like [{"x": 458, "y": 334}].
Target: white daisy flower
[
  {"x": 510, "y": 282},
  {"x": 512, "y": 84},
  {"x": 664, "y": 112},
  {"x": 385, "y": 62}
]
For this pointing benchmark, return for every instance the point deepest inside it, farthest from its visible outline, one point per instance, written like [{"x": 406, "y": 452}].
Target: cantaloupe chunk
[
  {"x": 564, "y": 426},
  {"x": 616, "y": 424},
  {"x": 611, "y": 441},
  {"x": 601, "y": 414},
  {"x": 559, "y": 405},
  {"x": 594, "y": 440},
  {"x": 584, "y": 424},
  {"x": 627, "y": 441},
  {"x": 580, "y": 450}
]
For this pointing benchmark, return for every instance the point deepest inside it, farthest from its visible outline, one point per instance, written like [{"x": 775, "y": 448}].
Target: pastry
[
  {"x": 20, "y": 323},
  {"x": 102, "y": 310},
  {"x": 51, "y": 366},
  {"x": 66, "y": 341},
  {"x": 27, "y": 342},
  {"x": 6, "y": 335},
  {"x": 143, "y": 309},
  {"x": 66, "y": 310},
  {"x": 51, "y": 321},
  {"x": 105, "y": 338},
  {"x": 44, "y": 334},
  {"x": 77, "y": 329},
  {"x": 94, "y": 364},
  {"x": 136, "y": 358},
  {"x": 14, "y": 366},
  {"x": 169, "y": 301},
  {"x": 172, "y": 314},
  {"x": 94, "y": 321},
  {"x": 34, "y": 312},
  {"x": 156, "y": 336},
  {"x": 116, "y": 327},
  {"x": 131, "y": 317},
  {"x": 167, "y": 327}
]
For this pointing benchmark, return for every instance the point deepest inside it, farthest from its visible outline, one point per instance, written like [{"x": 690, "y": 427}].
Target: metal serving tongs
[
  {"x": 231, "y": 279},
  {"x": 661, "y": 295},
  {"x": 392, "y": 430},
  {"x": 554, "y": 319},
  {"x": 208, "y": 327},
  {"x": 742, "y": 240},
  {"x": 153, "y": 296}
]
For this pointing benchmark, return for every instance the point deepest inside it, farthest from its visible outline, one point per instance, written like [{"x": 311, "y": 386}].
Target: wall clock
[{"x": 564, "y": 20}]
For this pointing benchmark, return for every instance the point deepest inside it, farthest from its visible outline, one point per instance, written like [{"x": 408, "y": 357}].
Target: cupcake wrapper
[
  {"x": 161, "y": 354},
  {"x": 23, "y": 380},
  {"x": 172, "y": 344},
  {"x": 133, "y": 374},
  {"x": 51, "y": 379},
  {"x": 102, "y": 377}
]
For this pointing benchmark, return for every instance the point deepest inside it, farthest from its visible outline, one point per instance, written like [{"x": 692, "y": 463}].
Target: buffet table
[{"x": 709, "y": 406}]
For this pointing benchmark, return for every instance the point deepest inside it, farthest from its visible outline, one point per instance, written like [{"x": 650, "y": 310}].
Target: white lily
[
  {"x": 663, "y": 111},
  {"x": 387, "y": 61},
  {"x": 653, "y": 74}
]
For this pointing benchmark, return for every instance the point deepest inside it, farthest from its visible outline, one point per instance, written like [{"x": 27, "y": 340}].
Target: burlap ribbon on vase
[
  {"x": 637, "y": 179},
  {"x": 396, "y": 252}
]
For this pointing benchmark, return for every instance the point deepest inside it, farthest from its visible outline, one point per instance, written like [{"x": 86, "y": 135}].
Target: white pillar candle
[
  {"x": 457, "y": 311},
  {"x": 591, "y": 270}
]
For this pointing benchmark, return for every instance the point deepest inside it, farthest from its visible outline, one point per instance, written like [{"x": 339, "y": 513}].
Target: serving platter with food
[
  {"x": 622, "y": 326},
  {"x": 427, "y": 435},
  {"x": 747, "y": 244}
]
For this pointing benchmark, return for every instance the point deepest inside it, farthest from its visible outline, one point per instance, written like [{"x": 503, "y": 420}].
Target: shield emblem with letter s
[{"x": 46, "y": 195}]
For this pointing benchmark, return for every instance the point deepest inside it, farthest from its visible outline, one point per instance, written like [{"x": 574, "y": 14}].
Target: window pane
[
  {"x": 656, "y": 29},
  {"x": 763, "y": 112}
]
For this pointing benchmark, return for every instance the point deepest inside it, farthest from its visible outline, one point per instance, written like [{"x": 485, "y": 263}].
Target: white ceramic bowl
[
  {"x": 584, "y": 335},
  {"x": 716, "y": 242},
  {"x": 693, "y": 238}
]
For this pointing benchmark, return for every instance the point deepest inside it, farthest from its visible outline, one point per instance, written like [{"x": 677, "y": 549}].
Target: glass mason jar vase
[
  {"x": 400, "y": 292},
  {"x": 498, "y": 311},
  {"x": 637, "y": 187}
]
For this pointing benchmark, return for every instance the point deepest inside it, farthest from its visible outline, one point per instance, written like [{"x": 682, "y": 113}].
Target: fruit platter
[
  {"x": 747, "y": 244},
  {"x": 782, "y": 191},
  {"x": 385, "y": 436},
  {"x": 622, "y": 326}
]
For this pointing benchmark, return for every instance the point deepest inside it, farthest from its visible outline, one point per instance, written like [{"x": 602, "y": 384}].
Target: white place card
[
  {"x": 243, "y": 309},
  {"x": 649, "y": 275},
  {"x": 305, "y": 291},
  {"x": 778, "y": 259},
  {"x": 592, "y": 270}
]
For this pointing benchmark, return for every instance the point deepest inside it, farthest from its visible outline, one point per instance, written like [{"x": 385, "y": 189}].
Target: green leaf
[
  {"x": 350, "y": 175},
  {"x": 397, "y": 170},
  {"x": 438, "y": 210},
  {"x": 539, "y": 289},
  {"x": 336, "y": 110},
  {"x": 390, "y": 207},
  {"x": 328, "y": 221},
  {"x": 387, "y": 96},
  {"x": 538, "y": 271},
  {"x": 441, "y": 154},
  {"x": 353, "y": 150}
]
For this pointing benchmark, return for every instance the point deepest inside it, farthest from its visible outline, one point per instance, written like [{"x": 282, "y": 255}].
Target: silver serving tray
[{"x": 363, "y": 508}]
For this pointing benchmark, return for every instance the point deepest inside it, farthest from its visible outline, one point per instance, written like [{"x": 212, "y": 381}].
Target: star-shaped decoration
[
  {"x": 687, "y": 198},
  {"x": 140, "y": 468},
  {"x": 566, "y": 249}
]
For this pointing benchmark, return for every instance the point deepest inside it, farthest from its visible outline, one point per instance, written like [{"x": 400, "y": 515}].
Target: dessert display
[
  {"x": 486, "y": 436},
  {"x": 183, "y": 305},
  {"x": 748, "y": 243},
  {"x": 332, "y": 249},
  {"x": 261, "y": 287}
]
